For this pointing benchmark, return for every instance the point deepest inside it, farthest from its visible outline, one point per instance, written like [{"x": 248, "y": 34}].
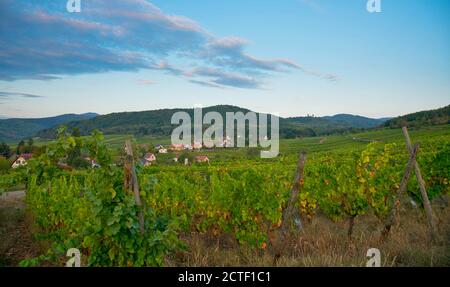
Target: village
[
  {"x": 149, "y": 152},
  {"x": 174, "y": 153},
  {"x": 179, "y": 152}
]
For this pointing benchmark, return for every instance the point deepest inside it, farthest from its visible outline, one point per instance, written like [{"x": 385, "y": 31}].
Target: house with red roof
[
  {"x": 201, "y": 158},
  {"x": 148, "y": 159}
]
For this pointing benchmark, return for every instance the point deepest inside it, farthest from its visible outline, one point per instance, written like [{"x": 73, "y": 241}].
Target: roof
[
  {"x": 201, "y": 157},
  {"x": 149, "y": 155},
  {"x": 26, "y": 155}
]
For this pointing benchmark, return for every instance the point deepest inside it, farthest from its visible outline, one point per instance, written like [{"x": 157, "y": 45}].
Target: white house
[
  {"x": 177, "y": 147},
  {"x": 21, "y": 160},
  {"x": 148, "y": 159},
  {"x": 93, "y": 162},
  {"x": 209, "y": 143},
  {"x": 197, "y": 146}
]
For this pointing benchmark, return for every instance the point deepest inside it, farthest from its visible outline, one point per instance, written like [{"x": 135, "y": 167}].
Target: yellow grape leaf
[
  {"x": 113, "y": 193},
  {"x": 366, "y": 159}
]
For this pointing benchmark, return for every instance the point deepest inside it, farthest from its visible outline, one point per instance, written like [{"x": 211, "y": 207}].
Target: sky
[{"x": 289, "y": 57}]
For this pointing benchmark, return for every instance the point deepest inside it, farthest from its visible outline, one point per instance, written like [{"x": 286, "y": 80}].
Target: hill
[
  {"x": 16, "y": 129},
  {"x": 335, "y": 124},
  {"x": 423, "y": 118},
  {"x": 158, "y": 123},
  {"x": 155, "y": 122},
  {"x": 356, "y": 121}
]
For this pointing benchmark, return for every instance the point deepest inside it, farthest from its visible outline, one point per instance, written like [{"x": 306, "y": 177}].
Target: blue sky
[{"x": 292, "y": 57}]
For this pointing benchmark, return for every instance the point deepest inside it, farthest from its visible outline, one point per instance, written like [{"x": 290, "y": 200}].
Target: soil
[{"x": 16, "y": 240}]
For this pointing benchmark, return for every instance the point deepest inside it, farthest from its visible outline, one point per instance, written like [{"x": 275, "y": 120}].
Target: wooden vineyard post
[
  {"x": 132, "y": 181},
  {"x": 423, "y": 191},
  {"x": 391, "y": 219},
  {"x": 289, "y": 212}
]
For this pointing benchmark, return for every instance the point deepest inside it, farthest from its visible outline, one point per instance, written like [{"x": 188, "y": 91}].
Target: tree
[
  {"x": 76, "y": 132},
  {"x": 5, "y": 151},
  {"x": 5, "y": 165},
  {"x": 20, "y": 147},
  {"x": 37, "y": 151},
  {"x": 185, "y": 155},
  {"x": 28, "y": 147}
]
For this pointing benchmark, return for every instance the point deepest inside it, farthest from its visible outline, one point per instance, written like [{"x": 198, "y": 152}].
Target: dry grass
[
  {"x": 321, "y": 243},
  {"x": 324, "y": 243}
]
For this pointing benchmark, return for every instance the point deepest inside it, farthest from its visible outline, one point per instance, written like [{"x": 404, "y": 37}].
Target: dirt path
[
  {"x": 13, "y": 199},
  {"x": 16, "y": 240},
  {"x": 364, "y": 140}
]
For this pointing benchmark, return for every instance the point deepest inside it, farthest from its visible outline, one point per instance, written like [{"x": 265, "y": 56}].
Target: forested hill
[
  {"x": 424, "y": 118},
  {"x": 158, "y": 123},
  {"x": 16, "y": 129},
  {"x": 356, "y": 121},
  {"x": 154, "y": 122}
]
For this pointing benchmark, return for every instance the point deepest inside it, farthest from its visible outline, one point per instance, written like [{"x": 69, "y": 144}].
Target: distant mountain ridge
[
  {"x": 356, "y": 121},
  {"x": 16, "y": 129},
  {"x": 158, "y": 123}
]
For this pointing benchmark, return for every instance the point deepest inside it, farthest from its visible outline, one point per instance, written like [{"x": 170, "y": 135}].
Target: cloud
[
  {"x": 165, "y": 66},
  {"x": 329, "y": 77},
  {"x": 23, "y": 95},
  {"x": 230, "y": 52},
  {"x": 39, "y": 40},
  {"x": 206, "y": 84},
  {"x": 221, "y": 77},
  {"x": 146, "y": 82}
]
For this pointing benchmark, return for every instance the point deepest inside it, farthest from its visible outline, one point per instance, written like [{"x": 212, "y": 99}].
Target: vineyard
[{"x": 95, "y": 210}]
